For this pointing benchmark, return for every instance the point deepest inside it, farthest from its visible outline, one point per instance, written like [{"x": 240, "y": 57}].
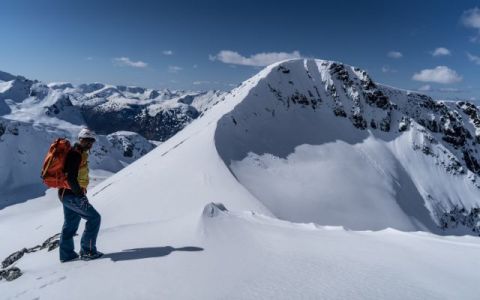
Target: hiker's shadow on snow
[{"x": 141, "y": 253}]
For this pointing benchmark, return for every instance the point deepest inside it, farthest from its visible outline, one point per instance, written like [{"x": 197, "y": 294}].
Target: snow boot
[
  {"x": 74, "y": 257},
  {"x": 90, "y": 255}
]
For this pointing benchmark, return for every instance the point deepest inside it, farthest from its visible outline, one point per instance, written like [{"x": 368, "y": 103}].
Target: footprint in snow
[{"x": 53, "y": 282}]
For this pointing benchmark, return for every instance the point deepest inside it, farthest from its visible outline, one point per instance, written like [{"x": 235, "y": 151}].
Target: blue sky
[{"x": 431, "y": 45}]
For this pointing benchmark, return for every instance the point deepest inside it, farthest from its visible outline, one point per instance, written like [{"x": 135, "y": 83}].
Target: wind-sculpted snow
[{"x": 319, "y": 141}]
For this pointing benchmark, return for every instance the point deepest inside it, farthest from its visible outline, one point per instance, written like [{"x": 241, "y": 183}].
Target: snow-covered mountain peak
[
  {"x": 301, "y": 110},
  {"x": 4, "y": 76}
]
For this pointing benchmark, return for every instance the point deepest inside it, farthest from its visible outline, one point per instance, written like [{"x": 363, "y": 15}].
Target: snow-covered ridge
[{"x": 334, "y": 116}]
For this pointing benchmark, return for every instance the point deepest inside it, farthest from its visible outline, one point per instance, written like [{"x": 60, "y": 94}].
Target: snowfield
[{"x": 321, "y": 192}]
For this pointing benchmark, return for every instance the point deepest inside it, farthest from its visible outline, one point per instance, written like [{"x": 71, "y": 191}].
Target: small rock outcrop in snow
[
  {"x": 212, "y": 210},
  {"x": 14, "y": 272}
]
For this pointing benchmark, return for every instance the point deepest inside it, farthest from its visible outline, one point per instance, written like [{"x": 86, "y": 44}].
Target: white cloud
[
  {"x": 89, "y": 58},
  {"x": 440, "y": 74},
  {"x": 475, "y": 39},
  {"x": 387, "y": 69},
  {"x": 395, "y": 54},
  {"x": 125, "y": 61},
  {"x": 425, "y": 88},
  {"x": 449, "y": 90},
  {"x": 256, "y": 60},
  {"x": 174, "y": 69},
  {"x": 441, "y": 51},
  {"x": 199, "y": 82},
  {"x": 474, "y": 58},
  {"x": 195, "y": 66},
  {"x": 428, "y": 88},
  {"x": 167, "y": 52},
  {"x": 471, "y": 18}
]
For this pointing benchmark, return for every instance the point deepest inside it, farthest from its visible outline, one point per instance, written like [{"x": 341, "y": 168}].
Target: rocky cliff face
[{"x": 443, "y": 134}]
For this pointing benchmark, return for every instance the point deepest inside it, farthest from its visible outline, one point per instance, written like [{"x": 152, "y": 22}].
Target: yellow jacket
[{"x": 83, "y": 178}]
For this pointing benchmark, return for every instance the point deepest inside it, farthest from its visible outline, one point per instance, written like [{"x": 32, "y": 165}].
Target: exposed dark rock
[
  {"x": 453, "y": 166},
  {"x": 377, "y": 98},
  {"x": 339, "y": 112},
  {"x": 13, "y": 129},
  {"x": 277, "y": 93},
  {"x": 368, "y": 84},
  {"x": 432, "y": 125},
  {"x": 60, "y": 105},
  {"x": 34, "y": 249},
  {"x": 128, "y": 151},
  {"x": 455, "y": 136},
  {"x": 318, "y": 93},
  {"x": 471, "y": 162},
  {"x": 404, "y": 123},
  {"x": 460, "y": 216},
  {"x": 427, "y": 150},
  {"x": 11, "y": 274},
  {"x": 358, "y": 121},
  {"x": 385, "y": 123},
  {"x": 213, "y": 210},
  {"x": 426, "y": 102},
  {"x": 300, "y": 99},
  {"x": 13, "y": 258},
  {"x": 51, "y": 243},
  {"x": 472, "y": 111},
  {"x": 341, "y": 73},
  {"x": 14, "y": 272},
  {"x": 283, "y": 69},
  {"x": 2, "y": 129}
]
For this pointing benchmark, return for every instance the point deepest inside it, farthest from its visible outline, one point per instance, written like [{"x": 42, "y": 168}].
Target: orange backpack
[{"x": 53, "y": 174}]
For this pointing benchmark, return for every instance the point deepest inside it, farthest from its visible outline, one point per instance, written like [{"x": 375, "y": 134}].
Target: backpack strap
[{"x": 63, "y": 193}]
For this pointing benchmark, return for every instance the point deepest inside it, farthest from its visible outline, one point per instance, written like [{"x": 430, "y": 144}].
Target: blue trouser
[{"x": 75, "y": 208}]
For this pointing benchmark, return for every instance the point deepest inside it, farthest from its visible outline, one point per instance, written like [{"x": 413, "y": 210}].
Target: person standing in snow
[{"x": 76, "y": 204}]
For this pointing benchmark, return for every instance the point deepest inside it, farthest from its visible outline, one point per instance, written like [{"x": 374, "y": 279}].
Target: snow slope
[
  {"x": 318, "y": 141},
  {"x": 267, "y": 160}
]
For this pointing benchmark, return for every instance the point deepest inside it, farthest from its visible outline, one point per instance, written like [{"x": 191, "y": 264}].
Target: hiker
[{"x": 75, "y": 202}]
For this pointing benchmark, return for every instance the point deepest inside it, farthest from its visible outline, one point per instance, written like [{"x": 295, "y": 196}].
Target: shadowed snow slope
[
  {"x": 318, "y": 141},
  {"x": 264, "y": 157}
]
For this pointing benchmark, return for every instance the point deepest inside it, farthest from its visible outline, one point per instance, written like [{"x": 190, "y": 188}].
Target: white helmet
[{"x": 86, "y": 133}]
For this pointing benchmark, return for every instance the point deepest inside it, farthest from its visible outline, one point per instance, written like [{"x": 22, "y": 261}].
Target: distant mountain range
[{"x": 33, "y": 114}]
